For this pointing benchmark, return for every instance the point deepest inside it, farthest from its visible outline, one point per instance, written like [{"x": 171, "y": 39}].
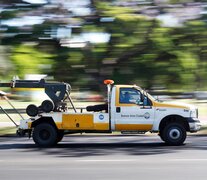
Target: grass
[{"x": 7, "y": 131}]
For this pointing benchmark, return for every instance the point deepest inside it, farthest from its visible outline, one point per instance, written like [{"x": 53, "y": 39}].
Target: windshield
[{"x": 148, "y": 95}]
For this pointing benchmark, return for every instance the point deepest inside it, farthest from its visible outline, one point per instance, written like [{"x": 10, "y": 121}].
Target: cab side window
[{"x": 129, "y": 96}]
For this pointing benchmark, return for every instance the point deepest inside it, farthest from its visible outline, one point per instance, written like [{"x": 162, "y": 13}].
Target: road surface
[{"x": 104, "y": 157}]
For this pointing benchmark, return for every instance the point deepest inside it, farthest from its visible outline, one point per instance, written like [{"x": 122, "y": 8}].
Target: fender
[{"x": 173, "y": 118}]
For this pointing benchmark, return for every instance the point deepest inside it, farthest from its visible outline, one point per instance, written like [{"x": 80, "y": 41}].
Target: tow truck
[{"x": 129, "y": 109}]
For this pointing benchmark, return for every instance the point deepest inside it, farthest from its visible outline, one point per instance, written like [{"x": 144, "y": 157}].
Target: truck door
[{"x": 133, "y": 110}]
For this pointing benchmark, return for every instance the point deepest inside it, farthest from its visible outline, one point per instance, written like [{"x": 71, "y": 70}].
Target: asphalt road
[{"x": 114, "y": 157}]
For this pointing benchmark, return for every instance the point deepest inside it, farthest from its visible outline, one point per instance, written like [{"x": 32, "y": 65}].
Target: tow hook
[
  {"x": 23, "y": 132},
  {"x": 20, "y": 132}
]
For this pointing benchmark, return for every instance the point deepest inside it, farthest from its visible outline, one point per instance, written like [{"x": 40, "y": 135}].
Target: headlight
[{"x": 194, "y": 113}]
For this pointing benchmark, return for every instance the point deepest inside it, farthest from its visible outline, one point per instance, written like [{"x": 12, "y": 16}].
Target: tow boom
[{"x": 58, "y": 92}]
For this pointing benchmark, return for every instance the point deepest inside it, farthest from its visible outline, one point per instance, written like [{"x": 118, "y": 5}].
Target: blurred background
[{"x": 160, "y": 45}]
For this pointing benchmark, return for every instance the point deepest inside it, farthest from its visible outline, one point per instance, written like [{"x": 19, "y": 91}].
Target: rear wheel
[
  {"x": 45, "y": 134},
  {"x": 60, "y": 136},
  {"x": 174, "y": 134}
]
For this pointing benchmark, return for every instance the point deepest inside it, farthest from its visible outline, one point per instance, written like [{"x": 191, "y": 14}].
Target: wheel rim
[
  {"x": 174, "y": 134},
  {"x": 44, "y": 134}
]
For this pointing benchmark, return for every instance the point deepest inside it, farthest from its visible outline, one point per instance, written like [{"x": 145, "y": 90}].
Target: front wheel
[
  {"x": 161, "y": 136},
  {"x": 45, "y": 134},
  {"x": 174, "y": 134}
]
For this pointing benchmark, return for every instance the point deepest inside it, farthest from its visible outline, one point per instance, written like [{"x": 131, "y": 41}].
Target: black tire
[
  {"x": 47, "y": 106},
  {"x": 45, "y": 135},
  {"x": 60, "y": 136},
  {"x": 161, "y": 136},
  {"x": 174, "y": 134},
  {"x": 32, "y": 110}
]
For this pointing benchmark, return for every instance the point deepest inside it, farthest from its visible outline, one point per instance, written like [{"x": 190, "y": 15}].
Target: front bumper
[{"x": 194, "y": 124}]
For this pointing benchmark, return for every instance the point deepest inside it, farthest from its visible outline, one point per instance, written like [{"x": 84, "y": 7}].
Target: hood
[{"x": 174, "y": 105}]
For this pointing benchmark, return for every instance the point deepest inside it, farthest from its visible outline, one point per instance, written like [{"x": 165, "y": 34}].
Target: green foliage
[
  {"x": 140, "y": 51},
  {"x": 8, "y": 14},
  {"x": 107, "y": 10},
  {"x": 180, "y": 1},
  {"x": 29, "y": 60}
]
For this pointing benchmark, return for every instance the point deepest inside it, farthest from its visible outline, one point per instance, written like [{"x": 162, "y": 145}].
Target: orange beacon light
[{"x": 108, "y": 81}]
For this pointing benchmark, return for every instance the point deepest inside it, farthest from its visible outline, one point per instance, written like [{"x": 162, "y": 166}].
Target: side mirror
[
  {"x": 141, "y": 102},
  {"x": 144, "y": 101},
  {"x": 142, "y": 98}
]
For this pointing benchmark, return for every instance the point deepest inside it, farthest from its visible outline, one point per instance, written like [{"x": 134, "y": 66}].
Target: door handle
[{"x": 118, "y": 109}]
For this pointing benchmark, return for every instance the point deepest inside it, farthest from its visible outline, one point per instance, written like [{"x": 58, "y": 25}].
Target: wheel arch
[
  {"x": 174, "y": 119},
  {"x": 48, "y": 120}
]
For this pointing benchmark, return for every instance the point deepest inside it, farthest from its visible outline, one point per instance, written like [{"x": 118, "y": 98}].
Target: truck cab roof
[{"x": 128, "y": 86}]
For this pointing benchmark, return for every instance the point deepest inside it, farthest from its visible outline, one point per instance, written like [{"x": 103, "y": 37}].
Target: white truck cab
[{"x": 129, "y": 109}]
